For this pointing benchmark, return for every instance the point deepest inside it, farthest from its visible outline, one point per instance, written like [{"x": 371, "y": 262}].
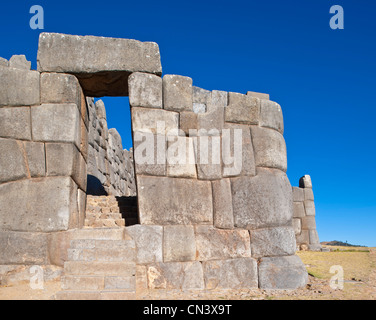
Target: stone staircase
[{"x": 101, "y": 261}]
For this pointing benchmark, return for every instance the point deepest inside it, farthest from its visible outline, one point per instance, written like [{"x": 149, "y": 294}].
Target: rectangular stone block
[
  {"x": 309, "y": 223},
  {"x": 302, "y": 238},
  {"x": 19, "y": 87},
  {"x": 36, "y": 158},
  {"x": 238, "y": 273},
  {"x": 101, "y": 64},
  {"x": 145, "y": 90},
  {"x": 259, "y": 95},
  {"x": 38, "y": 205},
  {"x": 297, "y": 194},
  {"x": 308, "y": 194},
  {"x": 297, "y": 225},
  {"x": 242, "y": 109},
  {"x": 309, "y": 207},
  {"x": 100, "y": 268},
  {"x": 174, "y": 201},
  {"x": 282, "y": 273},
  {"x": 181, "y": 162},
  {"x": 262, "y": 201},
  {"x": 222, "y": 204},
  {"x": 298, "y": 209},
  {"x": 271, "y": 116},
  {"x": 15, "y": 123},
  {"x": 120, "y": 283},
  {"x": 155, "y": 121},
  {"x": 176, "y": 275},
  {"x": 216, "y": 244},
  {"x": 270, "y": 148},
  {"x": 237, "y": 151},
  {"x": 177, "y": 93},
  {"x": 189, "y": 123},
  {"x": 27, "y": 248},
  {"x": 273, "y": 242},
  {"x": 56, "y": 123},
  {"x": 179, "y": 244},
  {"x": 12, "y": 161},
  {"x": 148, "y": 240},
  {"x": 89, "y": 283}
]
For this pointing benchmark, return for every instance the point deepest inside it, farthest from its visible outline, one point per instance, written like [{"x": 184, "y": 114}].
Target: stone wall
[
  {"x": 305, "y": 216},
  {"x": 110, "y": 168}
]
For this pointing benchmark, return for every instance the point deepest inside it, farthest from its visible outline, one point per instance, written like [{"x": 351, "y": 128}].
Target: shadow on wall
[{"x": 94, "y": 186}]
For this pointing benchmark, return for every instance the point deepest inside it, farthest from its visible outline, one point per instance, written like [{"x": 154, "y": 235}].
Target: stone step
[
  {"x": 100, "y": 268},
  {"x": 102, "y": 244},
  {"x": 99, "y": 283},
  {"x": 95, "y": 295},
  {"x": 100, "y": 234},
  {"x": 104, "y": 223},
  {"x": 99, "y": 215}
]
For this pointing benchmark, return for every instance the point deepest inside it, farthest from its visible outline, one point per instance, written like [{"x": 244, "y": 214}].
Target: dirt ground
[{"x": 359, "y": 275}]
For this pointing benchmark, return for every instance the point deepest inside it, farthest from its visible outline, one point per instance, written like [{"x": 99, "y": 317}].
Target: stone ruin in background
[{"x": 200, "y": 225}]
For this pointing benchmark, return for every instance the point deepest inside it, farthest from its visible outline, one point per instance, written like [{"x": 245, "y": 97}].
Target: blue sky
[{"x": 324, "y": 79}]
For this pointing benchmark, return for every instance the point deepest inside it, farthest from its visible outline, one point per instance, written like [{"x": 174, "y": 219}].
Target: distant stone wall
[
  {"x": 304, "y": 220},
  {"x": 110, "y": 168}
]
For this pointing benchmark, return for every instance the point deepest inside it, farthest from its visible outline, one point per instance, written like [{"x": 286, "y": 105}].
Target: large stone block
[
  {"x": 273, "y": 242},
  {"x": 297, "y": 225},
  {"x": 181, "y": 162},
  {"x": 262, "y": 201},
  {"x": 309, "y": 223},
  {"x": 149, "y": 243},
  {"x": 298, "y": 210},
  {"x": 12, "y": 160},
  {"x": 101, "y": 64},
  {"x": 303, "y": 237},
  {"x": 179, "y": 244},
  {"x": 56, "y": 123},
  {"x": 176, "y": 275},
  {"x": 36, "y": 158},
  {"x": 15, "y": 123},
  {"x": 242, "y": 109},
  {"x": 38, "y": 205},
  {"x": 216, "y": 244},
  {"x": 19, "y": 87},
  {"x": 154, "y": 120},
  {"x": 174, "y": 201},
  {"x": 237, "y": 151},
  {"x": 26, "y": 248},
  {"x": 270, "y": 148},
  {"x": 310, "y": 208},
  {"x": 145, "y": 90},
  {"x": 282, "y": 273},
  {"x": 271, "y": 115},
  {"x": 19, "y": 62},
  {"x": 297, "y": 194},
  {"x": 177, "y": 93},
  {"x": 238, "y": 273},
  {"x": 222, "y": 204}
]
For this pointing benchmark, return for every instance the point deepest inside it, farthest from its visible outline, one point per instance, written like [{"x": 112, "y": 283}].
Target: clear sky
[{"x": 324, "y": 79}]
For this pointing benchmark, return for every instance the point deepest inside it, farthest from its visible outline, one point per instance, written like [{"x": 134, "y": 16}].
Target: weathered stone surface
[
  {"x": 310, "y": 209},
  {"x": 242, "y": 109},
  {"x": 179, "y": 201},
  {"x": 237, "y": 151},
  {"x": 189, "y": 123},
  {"x": 19, "y": 87},
  {"x": 309, "y": 223},
  {"x": 145, "y": 90},
  {"x": 298, "y": 209},
  {"x": 148, "y": 240},
  {"x": 308, "y": 194},
  {"x": 12, "y": 161},
  {"x": 4, "y": 62},
  {"x": 270, "y": 148},
  {"x": 271, "y": 115},
  {"x": 216, "y": 244},
  {"x": 199, "y": 108},
  {"x": 56, "y": 123},
  {"x": 238, "y": 273},
  {"x": 19, "y": 62},
  {"x": 181, "y": 161},
  {"x": 23, "y": 201},
  {"x": 150, "y": 153},
  {"x": 273, "y": 242},
  {"x": 101, "y": 64},
  {"x": 303, "y": 237},
  {"x": 23, "y": 247},
  {"x": 297, "y": 225},
  {"x": 305, "y": 182},
  {"x": 15, "y": 123},
  {"x": 201, "y": 96},
  {"x": 36, "y": 158},
  {"x": 262, "y": 201},
  {"x": 282, "y": 273},
  {"x": 208, "y": 156},
  {"x": 155, "y": 121},
  {"x": 222, "y": 204},
  {"x": 314, "y": 237},
  {"x": 176, "y": 275},
  {"x": 179, "y": 243},
  {"x": 177, "y": 93},
  {"x": 259, "y": 95},
  {"x": 297, "y": 194}
]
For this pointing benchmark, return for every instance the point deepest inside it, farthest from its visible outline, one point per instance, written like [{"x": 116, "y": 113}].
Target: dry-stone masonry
[
  {"x": 214, "y": 204},
  {"x": 305, "y": 216}
]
